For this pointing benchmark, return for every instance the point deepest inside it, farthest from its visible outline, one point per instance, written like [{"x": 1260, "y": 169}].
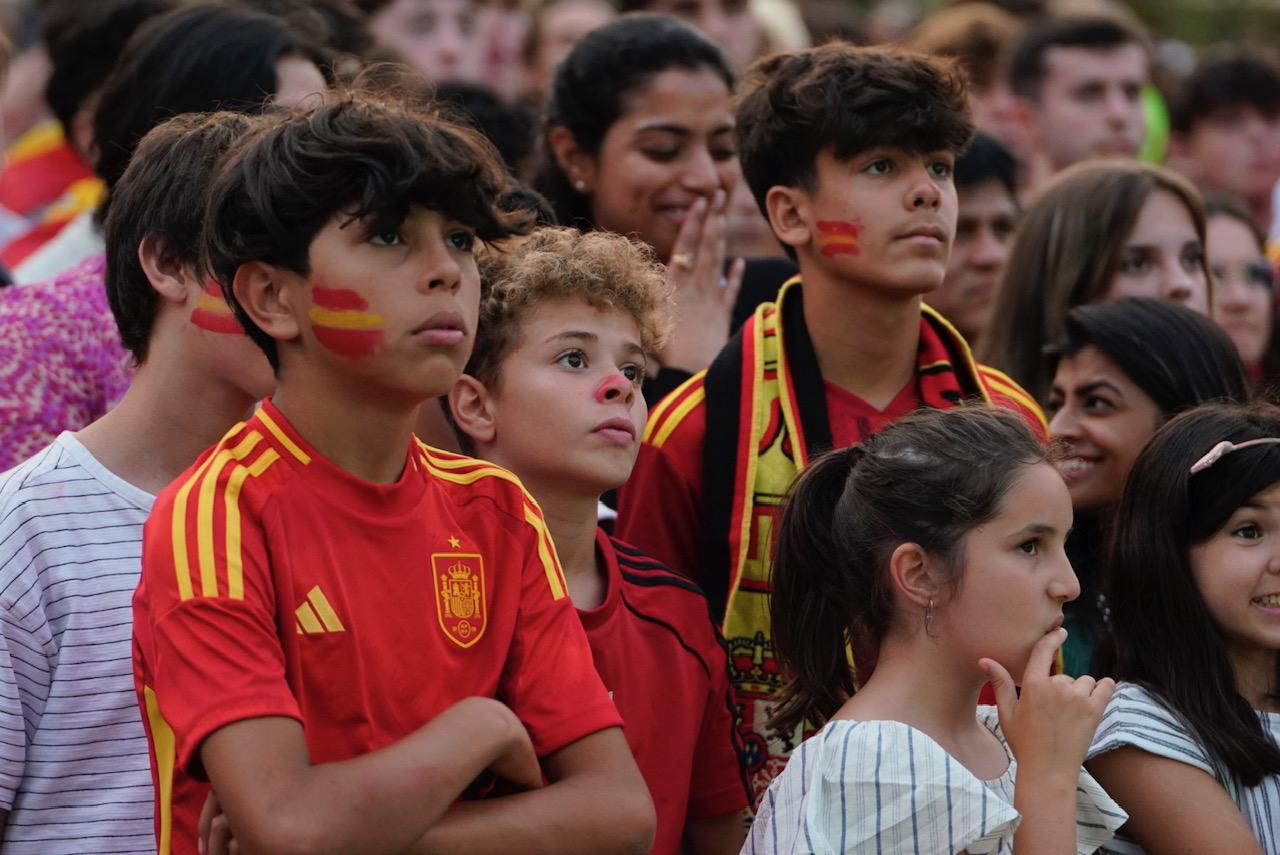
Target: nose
[
  {"x": 700, "y": 174},
  {"x": 1065, "y": 586},
  {"x": 987, "y": 251},
  {"x": 615, "y": 388},
  {"x": 1064, "y": 425},
  {"x": 924, "y": 191},
  {"x": 1231, "y": 293},
  {"x": 1177, "y": 283},
  {"x": 442, "y": 272}
]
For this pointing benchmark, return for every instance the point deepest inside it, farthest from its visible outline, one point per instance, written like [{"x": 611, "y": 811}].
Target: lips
[
  {"x": 618, "y": 430},
  {"x": 1074, "y": 468},
  {"x": 1269, "y": 601},
  {"x": 928, "y": 230},
  {"x": 443, "y": 329}
]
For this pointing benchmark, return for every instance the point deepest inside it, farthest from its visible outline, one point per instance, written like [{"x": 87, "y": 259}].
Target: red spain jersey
[
  {"x": 664, "y": 664},
  {"x": 275, "y": 583}
]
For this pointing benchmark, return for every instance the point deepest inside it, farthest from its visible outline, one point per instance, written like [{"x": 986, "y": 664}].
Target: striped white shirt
[
  {"x": 884, "y": 787},
  {"x": 74, "y": 769},
  {"x": 1134, "y": 717}
]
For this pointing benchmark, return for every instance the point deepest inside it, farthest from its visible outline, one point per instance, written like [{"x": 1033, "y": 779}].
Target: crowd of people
[{"x": 664, "y": 427}]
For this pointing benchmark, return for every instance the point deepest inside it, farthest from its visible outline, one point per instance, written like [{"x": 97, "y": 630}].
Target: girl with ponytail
[{"x": 934, "y": 552}]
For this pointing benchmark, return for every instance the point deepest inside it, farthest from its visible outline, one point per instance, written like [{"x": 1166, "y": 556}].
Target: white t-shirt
[
  {"x": 74, "y": 767},
  {"x": 1134, "y": 717},
  {"x": 887, "y": 788}
]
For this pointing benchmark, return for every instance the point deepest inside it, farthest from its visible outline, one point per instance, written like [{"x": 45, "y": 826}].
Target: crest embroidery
[{"x": 460, "y": 599}]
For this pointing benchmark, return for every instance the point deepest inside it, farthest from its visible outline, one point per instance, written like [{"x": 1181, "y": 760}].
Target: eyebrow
[
  {"x": 1096, "y": 385},
  {"x": 1035, "y": 528},
  {"x": 680, "y": 130},
  {"x": 592, "y": 338}
]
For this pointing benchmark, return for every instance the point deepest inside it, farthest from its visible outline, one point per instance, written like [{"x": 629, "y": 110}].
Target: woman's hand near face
[{"x": 704, "y": 296}]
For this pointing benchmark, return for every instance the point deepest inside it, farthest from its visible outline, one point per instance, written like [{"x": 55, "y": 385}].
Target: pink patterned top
[{"x": 61, "y": 361}]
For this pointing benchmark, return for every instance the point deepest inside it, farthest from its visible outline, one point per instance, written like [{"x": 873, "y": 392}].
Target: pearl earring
[{"x": 580, "y": 185}]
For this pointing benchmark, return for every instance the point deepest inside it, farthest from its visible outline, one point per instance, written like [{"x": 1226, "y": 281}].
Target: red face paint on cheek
[
  {"x": 212, "y": 314},
  {"x": 341, "y": 323},
  {"x": 838, "y": 238}
]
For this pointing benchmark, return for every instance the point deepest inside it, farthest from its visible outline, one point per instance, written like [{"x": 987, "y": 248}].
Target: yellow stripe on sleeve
[
  {"x": 283, "y": 438},
  {"x": 163, "y": 748},
  {"x": 546, "y": 553},
  {"x": 662, "y": 434},
  {"x": 231, "y": 504},
  {"x": 204, "y": 512}
]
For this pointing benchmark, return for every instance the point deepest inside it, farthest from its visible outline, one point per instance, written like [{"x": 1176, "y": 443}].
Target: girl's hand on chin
[{"x": 1050, "y": 725}]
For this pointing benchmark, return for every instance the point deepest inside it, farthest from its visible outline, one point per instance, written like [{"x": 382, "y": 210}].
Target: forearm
[
  {"x": 1047, "y": 803},
  {"x": 599, "y": 810},
  {"x": 375, "y": 803}
]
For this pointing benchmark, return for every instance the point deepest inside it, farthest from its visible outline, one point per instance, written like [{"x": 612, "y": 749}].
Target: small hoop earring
[
  {"x": 928, "y": 619},
  {"x": 580, "y": 186}
]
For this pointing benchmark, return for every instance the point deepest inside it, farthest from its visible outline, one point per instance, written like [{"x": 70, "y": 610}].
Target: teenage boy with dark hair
[
  {"x": 552, "y": 392},
  {"x": 73, "y": 770},
  {"x": 986, "y": 179},
  {"x": 849, "y": 153},
  {"x": 1225, "y": 120},
  {"x": 329, "y": 608},
  {"x": 1080, "y": 82}
]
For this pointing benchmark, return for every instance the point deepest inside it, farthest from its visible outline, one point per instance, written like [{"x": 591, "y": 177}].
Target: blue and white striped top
[
  {"x": 1134, "y": 717},
  {"x": 886, "y": 788}
]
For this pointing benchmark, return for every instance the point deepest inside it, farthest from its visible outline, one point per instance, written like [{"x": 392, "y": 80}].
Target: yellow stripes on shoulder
[
  {"x": 225, "y": 467},
  {"x": 671, "y": 410},
  {"x": 1002, "y": 384}
]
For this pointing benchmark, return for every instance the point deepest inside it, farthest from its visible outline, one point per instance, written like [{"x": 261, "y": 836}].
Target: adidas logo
[{"x": 316, "y": 616}]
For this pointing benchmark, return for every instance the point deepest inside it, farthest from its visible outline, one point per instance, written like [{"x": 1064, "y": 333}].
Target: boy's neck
[
  {"x": 865, "y": 340},
  {"x": 361, "y": 433},
  {"x": 571, "y": 520},
  {"x": 169, "y": 416}
]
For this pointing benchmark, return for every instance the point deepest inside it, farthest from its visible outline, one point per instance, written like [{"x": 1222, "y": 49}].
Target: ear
[
  {"x": 577, "y": 164},
  {"x": 788, "y": 212},
  {"x": 909, "y": 570},
  {"x": 473, "y": 409},
  {"x": 166, "y": 275},
  {"x": 259, "y": 289}
]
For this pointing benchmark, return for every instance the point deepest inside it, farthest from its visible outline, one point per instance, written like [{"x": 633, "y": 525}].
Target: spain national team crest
[{"x": 460, "y": 602}]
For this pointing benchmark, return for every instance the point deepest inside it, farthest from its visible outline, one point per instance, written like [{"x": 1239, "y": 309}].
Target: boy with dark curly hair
[{"x": 339, "y": 627}]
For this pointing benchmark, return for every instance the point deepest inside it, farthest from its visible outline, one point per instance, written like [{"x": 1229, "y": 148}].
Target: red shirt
[
  {"x": 661, "y": 505},
  {"x": 665, "y": 667},
  {"x": 275, "y": 583}
]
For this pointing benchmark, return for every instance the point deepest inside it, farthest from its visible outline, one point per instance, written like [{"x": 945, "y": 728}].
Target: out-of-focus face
[
  {"x": 1237, "y": 150},
  {"x": 1163, "y": 256},
  {"x": 728, "y": 23},
  {"x": 445, "y": 40},
  {"x": 1090, "y": 103},
  {"x": 560, "y": 27},
  {"x": 298, "y": 82},
  {"x": 1015, "y": 566},
  {"x": 1243, "y": 284},
  {"x": 1103, "y": 419},
  {"x": 672, "y": 146},
  {"x": 984, "y": 232}
]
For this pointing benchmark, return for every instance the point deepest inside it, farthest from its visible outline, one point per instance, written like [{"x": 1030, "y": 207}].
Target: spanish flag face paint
[
  {"x": 341, "y": 322},
  {"x": 836, "y": 237},
  {"x": 212, "y": 314}
]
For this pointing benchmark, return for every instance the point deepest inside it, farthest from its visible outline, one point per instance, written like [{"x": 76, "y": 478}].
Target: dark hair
[
  {"x": 847, "y": 99},
  {"x": 195, "y": 60},
  {"x": 1177, "y": 356},
  {"x": 1026, "y": 69},
  {"x": 594, "y": 81},
  {"x": 355, "y": 156},
  {"x": 84, "y": 42},
  {"x": 1162, "y": 635},
  {"x": 845, "y": 515},
  {"x": 161, "y": 195},
  {"x": 1222, "y": 84},
  {"x": 510, "y": 127},
  {"x": 985, "y": 160}
]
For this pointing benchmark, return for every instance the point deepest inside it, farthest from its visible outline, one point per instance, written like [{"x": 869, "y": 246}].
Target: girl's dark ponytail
[{"x": 809, "y": 614}]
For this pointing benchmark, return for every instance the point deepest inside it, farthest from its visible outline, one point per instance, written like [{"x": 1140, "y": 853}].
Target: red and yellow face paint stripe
[
  {"x": 341, "y": 323},
  {"x": 212, "y": 313},
  {"x": 838, "y": 238}
]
